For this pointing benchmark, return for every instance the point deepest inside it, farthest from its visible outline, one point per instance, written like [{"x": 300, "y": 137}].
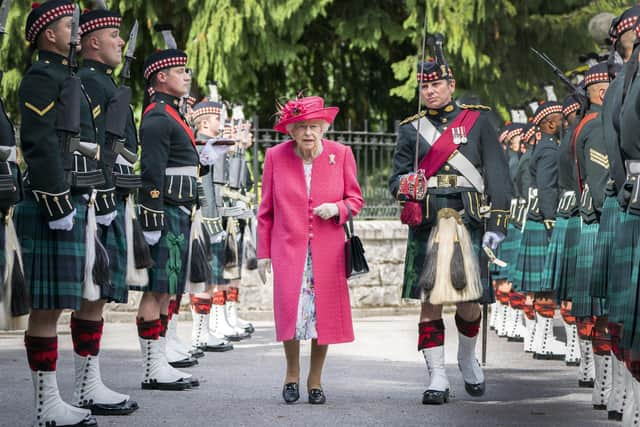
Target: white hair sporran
[{"x": 451, "y": 273}]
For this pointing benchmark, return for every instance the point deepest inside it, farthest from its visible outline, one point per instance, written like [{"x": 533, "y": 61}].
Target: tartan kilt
[
  {"x": 603, "y": 252},
  {"x": 53, "y": 259},
  {"x": 508, "y": 252},
  {"x": 560, "y": 266},
  {"x": 583, "y": 304},
  {"x": 415, "y": 261},
  {"x": 624, "y": 289},
  {"x": 529, "y": 266},
  {"x": 217, "y": 263},
  {"x": 169, "y": 272},
  {"x": 114, "y": 240}
]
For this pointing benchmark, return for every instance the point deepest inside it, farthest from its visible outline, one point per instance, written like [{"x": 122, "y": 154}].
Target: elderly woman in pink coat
[{"x": 309, "y": 186}]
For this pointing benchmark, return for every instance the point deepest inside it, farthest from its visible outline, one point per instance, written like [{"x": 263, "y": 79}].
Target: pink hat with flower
[{"x": 307, "y": 108}]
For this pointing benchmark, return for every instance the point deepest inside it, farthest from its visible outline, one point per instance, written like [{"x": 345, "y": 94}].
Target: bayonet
[
  {"x": 167, "y": 34},
  {"x": 74, "y": 40},
  {"x": 129, "y": 56}
]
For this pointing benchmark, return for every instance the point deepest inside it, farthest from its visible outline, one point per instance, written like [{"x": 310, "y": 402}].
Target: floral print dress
[{"x": 306, "y": 321}]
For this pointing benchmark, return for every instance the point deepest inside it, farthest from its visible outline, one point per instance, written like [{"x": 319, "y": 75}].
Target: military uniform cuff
[
  {"x": 498, "y": 221},
  {"x": 54, "y": 205},
  {"x": 105, "y": 201},
  {"x": 151, "y": 219}
]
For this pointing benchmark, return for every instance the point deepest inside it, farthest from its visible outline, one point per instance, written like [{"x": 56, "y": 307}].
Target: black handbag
[{"x": 355, "y": 262}]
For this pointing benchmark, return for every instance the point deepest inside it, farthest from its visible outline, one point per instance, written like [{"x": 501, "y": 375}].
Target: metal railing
[{"x": 373, "y": 151}]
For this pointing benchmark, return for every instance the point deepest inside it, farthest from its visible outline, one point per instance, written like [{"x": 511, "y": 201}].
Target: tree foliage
[{"x": 359, "y": 54}]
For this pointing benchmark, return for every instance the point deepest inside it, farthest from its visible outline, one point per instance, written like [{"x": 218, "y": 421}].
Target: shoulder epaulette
[
  {"x": 414, "y": 117},
  {"x": 475, "y": 107}
]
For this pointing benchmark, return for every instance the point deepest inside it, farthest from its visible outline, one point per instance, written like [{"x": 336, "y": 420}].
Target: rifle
[
  {"x": 118, "y": 111},
  {"x": 577, "y": 91},
  {"x": 68, "y": 109}
]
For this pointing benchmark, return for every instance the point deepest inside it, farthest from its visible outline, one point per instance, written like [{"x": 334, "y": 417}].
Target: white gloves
[
  {"x": 152, "y": 237},
  {"x": 211, "y": 153},
  {"x": 492, "y": 239},
  {"x": 65, "y": 223},
  {"x": 326, "y": 210},
  {"x": 264, "y": 267},
  {"x": 106, "y": 219}
]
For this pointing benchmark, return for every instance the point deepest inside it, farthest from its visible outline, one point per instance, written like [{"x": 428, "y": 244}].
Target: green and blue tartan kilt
[
  {"x": 53, "y": 259},
  {"x": 583, "y": 304},
  {"x": 217, "y": 263},
  {"x": 169, "y": 272},
  {"x": 508, "y": 252},
  {"x": 416, "y": 256},
  {"x": 114, "y": 239},
  {"x": 527, "y": 273},
  {"x": 560, "y": 266},
  {"x": 603, "y": 253}
]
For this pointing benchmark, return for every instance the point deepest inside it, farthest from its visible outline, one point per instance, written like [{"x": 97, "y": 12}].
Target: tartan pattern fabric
[
  {"x": 507, "y": 252},
  {"x": 560, "y": 264},
  {"x": 149, "y": 330},
  {"x": 545, "y": 309},
  {"x": 529, "y": 266},
  {"x": 601, "y": 342},
  {"x": 217, "y": 263},
  {"x": 42, "y": 352},
  {"x": 567, "y": 317},
  {"x": 201, "y": 305},
  {"x": 585, "y": 327},
  {"x": 622, "y": 292},
  {"x": 219, "y": 298},
  {"x": 529, "y": 311},
  {"x": 114, "y": 240},
  {"x": 169, "y": 272},
  {"x": 602, "y": 267},
  {"x": 583, "y": 304},
  {"x": 430, "y": 334},
  {"x": 86, "y": 336},
  {"x": 53, "y": 259},
  {"x": 517, "y": 300}
]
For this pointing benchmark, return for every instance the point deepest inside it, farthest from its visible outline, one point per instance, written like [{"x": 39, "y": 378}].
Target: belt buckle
[{"x": 447, "y": 181}]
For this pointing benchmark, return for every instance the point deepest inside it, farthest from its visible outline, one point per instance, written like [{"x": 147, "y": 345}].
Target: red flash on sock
[
  {"x": 42, "y": 352},
  {"x": 430, "y": 334},
  {"x": 149, "y": 330},
  {"x": 219, "y": 298},
  {"x": 201, "y": 305},
  {"x": 86, "y": 336},
  {"x": 516, "y": 300}
]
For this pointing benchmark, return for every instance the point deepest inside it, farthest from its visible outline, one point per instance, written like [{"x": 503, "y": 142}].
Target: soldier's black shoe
[
  {"x": 184, "y": 363},
  {"x": 515, "y": 339},
  {"x": 585, "y": 384},
  {"x": 600, "y": 407},
  {"x": 550, "y": 356},
  {"x": 576, "y": 363},
  {"x": 435, "y": 397},
  {"x": 291, "y": 392},
  {"x": 218, "y": 348},
  {"x": 123, "y": 408},
  {"x": 249, "y": 329},
  {"x": 194, "y": 382},
  {"x": 238, "y": 337},
  {"x": 614, "y": 415},
  {"x": 181, "y": 384},
  {"x": 196, "y": 353},
  {"x": 475, "y": 390},
  {"x": 316, "y": 396}
]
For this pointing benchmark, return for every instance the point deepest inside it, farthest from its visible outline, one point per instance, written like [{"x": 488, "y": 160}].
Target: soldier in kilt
[
  {"x": 101, "y": 52},
  {"x": 206, "y": 121},
  {"x": 449, "y": 188},
  {"x": 543, "y": 202},
  {"x": 593, "y": 172},
  {"x": 560, "y": 264},
  {"x": 51, "y": 219},
  {"x": 168, "y": 196},
  {"x": 627, "y": 234}
]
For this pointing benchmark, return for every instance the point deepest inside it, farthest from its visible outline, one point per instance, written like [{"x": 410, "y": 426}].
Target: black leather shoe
[
  {"x": 585, "y": 384},
  {"x": 226, "y": 346},
  {"x": 291, "y": 392},
  {"x": 187, "y": 362},
  {"x": 196, "y": 353},
  {"x": 614, "y": 415},
  {"x": 249, "y": 329},
  {"x": 123, "y": 408},
  {"x": 194, "y": 382},
  {"x": 88, "y": 421},
  {"x": 600, "y": 407},
  {"x": 317, "y": 397},
  {"x": 475, "y": 390},
  {"x": 572, "y": 363},
  {"x": 435, "y": 397},
  {"x": 180, "y": 384},
  {"x": 238, "y": 337}
]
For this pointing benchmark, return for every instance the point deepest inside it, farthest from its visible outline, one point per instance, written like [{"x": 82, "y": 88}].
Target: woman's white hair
[{"x": 325, "y": 126}]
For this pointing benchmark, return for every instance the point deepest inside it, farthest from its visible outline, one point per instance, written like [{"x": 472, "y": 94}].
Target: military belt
[
  {"x": 127, "y": 181},
  {"x": 448, "y": 181},
  {"x": 86, "y": 179}
]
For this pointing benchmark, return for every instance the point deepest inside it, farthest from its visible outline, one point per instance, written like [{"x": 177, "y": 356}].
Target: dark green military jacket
[
  {"x": 167, "y": 142},
  {"x": 567, "y": 175},
  {"x": 610, "y": 118},
  {"x": 97, "y": 79},
  {"x": 482, "y": 149},
  {"x": 39, "y": 96},
  {"x": 544, "y": 177},
  {"x": 10, "y": 185},
  {"x": 593, "y": 160},
  {"x": 523, "y": 175}
]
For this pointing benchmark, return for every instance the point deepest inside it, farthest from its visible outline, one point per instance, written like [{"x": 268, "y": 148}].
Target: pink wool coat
[{"x": 286, "y": 226}]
